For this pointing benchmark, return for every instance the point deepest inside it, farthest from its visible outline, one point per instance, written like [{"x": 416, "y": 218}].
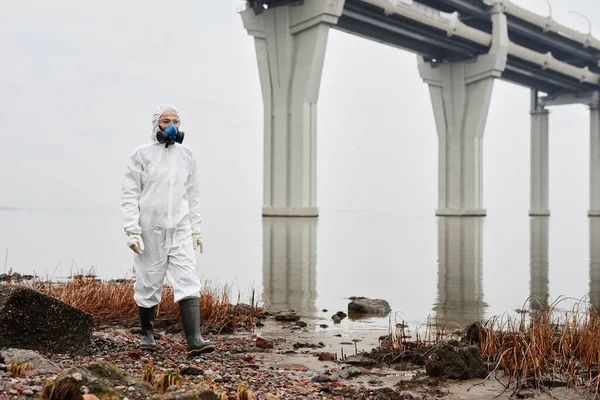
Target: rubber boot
[
  {"x": 190, "y": 317},
  {"x": 147, "y": 316}
]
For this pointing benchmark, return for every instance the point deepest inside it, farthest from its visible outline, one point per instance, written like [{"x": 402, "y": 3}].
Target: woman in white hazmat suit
[{"x": 160, "y": 205}]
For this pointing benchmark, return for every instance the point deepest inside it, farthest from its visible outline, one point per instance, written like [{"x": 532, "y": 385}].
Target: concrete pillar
[
  {"x": 539, "y": 158},
  {"x": 460, "y": 94},
  {"x": 594, "y": 160},
  {"x": 290, "y": 44},
  {"x": 595, "y": 263},
  {"x": 289, "y": 264},
  {"x": 538, "y": 262},
  {"x": 460, "y": 293}
]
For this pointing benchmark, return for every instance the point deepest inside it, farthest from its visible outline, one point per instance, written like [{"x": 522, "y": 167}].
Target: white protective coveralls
[{"x": 161, "y": 201}]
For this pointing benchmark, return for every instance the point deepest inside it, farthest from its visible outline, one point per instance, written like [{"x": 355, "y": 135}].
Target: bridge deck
[{"x": 368, "y": 21}]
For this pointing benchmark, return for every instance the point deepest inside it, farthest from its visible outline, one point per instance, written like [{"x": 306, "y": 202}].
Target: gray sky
[{"x": 79, "y": 81}]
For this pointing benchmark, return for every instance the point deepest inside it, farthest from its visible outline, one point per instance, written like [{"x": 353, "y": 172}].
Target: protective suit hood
[{"x": 156, "y": 116}]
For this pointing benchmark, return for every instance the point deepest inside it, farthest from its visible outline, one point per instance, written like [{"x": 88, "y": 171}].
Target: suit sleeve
[
  {"x": 130, "y": 195},
  {"x": 193, "y": 195}
]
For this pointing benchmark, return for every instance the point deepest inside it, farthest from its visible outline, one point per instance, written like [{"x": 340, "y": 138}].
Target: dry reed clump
[
  {"x": 161, "y": 380},
  {"x": 112, "y": 301},
  {"x": 546, "y": 349},
  {"x": 18, "y": 369}
]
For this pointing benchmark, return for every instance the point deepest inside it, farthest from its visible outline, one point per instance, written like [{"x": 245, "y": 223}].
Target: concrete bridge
[{"x": 462, "y": 46}]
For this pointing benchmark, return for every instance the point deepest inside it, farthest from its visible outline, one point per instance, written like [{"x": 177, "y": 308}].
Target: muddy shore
[{"x": 281, "y": 360}]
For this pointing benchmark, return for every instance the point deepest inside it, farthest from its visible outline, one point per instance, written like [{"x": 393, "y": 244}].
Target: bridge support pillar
[
  {"x": 460, "y": 94},
  {"x": 290, "y": 44},
  {"x": 539, "y": 158},
  {"x": 594, "y": 210}
]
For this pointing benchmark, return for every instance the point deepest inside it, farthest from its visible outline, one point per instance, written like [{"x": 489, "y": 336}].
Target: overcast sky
[{"x": 79, "y": 81}]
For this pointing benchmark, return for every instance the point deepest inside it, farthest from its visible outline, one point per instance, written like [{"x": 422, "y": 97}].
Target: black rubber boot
[
  {"x": 147, "y": 316},
  {"x": 190, "y": 317}
]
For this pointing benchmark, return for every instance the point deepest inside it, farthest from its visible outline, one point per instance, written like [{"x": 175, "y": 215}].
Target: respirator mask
[{"x": 170, "y": 135}]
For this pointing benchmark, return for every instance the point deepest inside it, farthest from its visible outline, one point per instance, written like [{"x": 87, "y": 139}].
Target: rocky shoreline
[
  {"x": 279, "y": 364},
  {"x": 52, "y": 350}
]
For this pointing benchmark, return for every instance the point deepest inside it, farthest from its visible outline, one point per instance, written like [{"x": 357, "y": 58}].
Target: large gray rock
[
  {"x": 31, "y": 320},
  {"x": 363, "y": 305},
  {"x": 454, "y": 360}
]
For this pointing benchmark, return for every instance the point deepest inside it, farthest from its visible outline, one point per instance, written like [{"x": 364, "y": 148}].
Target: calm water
[{"x": 459, "y": 268}]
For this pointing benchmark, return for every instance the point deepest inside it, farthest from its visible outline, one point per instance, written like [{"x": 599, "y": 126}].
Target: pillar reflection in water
[
  {"x": 289, "y": 264},
  {"x": 538, "y": 262},
  {"x": 460, "y": 294},
  {"x": 595, "y": 263}
]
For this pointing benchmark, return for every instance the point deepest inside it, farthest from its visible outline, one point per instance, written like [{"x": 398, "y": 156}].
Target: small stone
[
  {"x": 135, "y": 354},
  {"x": 301, "y": 324},
  {"x": 172, "y": 388},
  {"x": 84, "y": 389},
  {"x": 120, "y": 387},
  {"x": 37, "y": 388},
  {"x": 28, "y": 392},
  {"x": 323, "y": 378},
  {"x": 525, "y": 394},
  {"x": 263, "y": 343},
  {"x": 324, "y": 356},
  {"x": 359, "y": 360},
  {"x": 288, "y": 315},
  {"x": 191, "y": 371},
  {"x": 13, "y": 392},
  {"x": 77, "y": 377},
  {"x": 131, "y": 389}
]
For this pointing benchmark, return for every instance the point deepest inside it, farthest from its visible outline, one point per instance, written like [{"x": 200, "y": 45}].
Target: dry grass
[
  {"x": 112, "y": 302},
  {"x": 546, "y": 349},
  {"x": 541, "y": 350},
  {"x": 18, "y": 369},
  {"x": 243, "y": 393}
]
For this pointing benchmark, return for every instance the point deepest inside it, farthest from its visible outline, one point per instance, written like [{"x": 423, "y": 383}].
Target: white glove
[
  {"x": 197, "y": 239},
  {"x": 135, "y": 243}
]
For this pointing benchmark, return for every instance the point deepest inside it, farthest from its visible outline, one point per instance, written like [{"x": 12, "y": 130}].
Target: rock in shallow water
[
  {"x": 453, "y": 360},
  {"x": 363, "y": 305}
]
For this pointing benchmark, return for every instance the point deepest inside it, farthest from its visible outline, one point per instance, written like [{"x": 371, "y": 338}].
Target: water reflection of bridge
[
  {"x": 290, "y": 266},
  {"x": 460, "y": 265},
  {"x": 460, "y": 293},
  {"x": 595, "y": 263}
]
